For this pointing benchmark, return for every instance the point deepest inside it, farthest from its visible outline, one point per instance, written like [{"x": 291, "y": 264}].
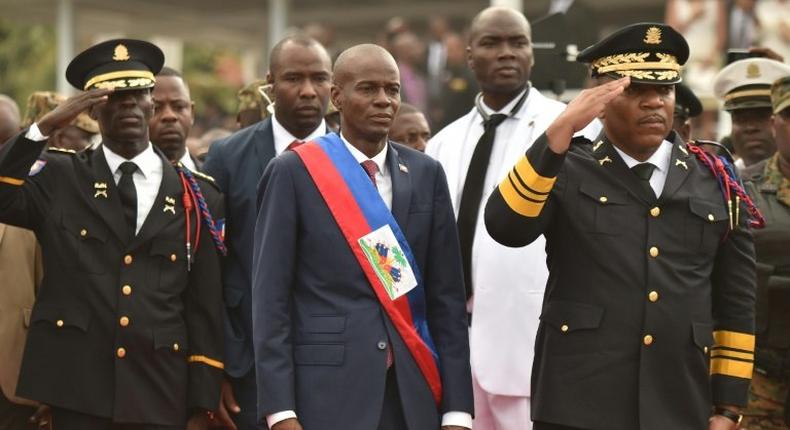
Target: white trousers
[{"x": 496, "y": 412}]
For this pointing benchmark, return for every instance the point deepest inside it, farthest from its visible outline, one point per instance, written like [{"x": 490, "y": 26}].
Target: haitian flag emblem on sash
[{"x": 378, "y": 244}]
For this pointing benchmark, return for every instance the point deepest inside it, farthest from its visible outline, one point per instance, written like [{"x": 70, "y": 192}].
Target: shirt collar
[
  {"x": 508, "y": 107},
  {"x": 660, "y": 158},
  {"x": 147, "y": 161},
  {"x": 380, "y": 159},
  {"x": 283, "y": 138},
  {"x": 187, "y": 161}
]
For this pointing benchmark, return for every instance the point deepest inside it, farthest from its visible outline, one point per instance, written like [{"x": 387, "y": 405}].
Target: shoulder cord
[
  {"x": 729, "y": 183},
  {"x": 193, "y": 198}
]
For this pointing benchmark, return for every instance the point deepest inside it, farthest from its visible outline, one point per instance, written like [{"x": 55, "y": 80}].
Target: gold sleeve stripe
[
  {"x": 517, "y": 202},
  {"x": 11, "y": 181},
  {"x": 525, "y": 192},
  {"x": 731, "y": 354},
  {"x": 735, "y": 368},
  {"x": 205, "y": 360},
  {"x": 531, "y": 178},
  {"x": 733, "y": 339}
]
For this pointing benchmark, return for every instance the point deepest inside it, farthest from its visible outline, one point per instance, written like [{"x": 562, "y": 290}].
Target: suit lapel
[
  {"x": 264, "y": 144},
  {"x": 167, "y": 205},
  {"x": 608, "y": 158},
  {"x": 680, "y": 166},
  {"x": 99, "y": 186},
  {"x": 401, "y": 187}
]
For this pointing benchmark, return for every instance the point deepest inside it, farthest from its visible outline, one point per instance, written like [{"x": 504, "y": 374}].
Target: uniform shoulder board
[
  {"x": 61, "y": 150},
  {"x": 203, "y": 176}
]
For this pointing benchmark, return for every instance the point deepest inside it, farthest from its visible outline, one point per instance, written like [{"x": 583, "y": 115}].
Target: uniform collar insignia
[
  {"x": 403, "y": 168},
  {"x": 681, "y": 163},
  {"x": 604, "y": 160},
  {"x": 683, "y": 150},
  {"x": 100, "y": 189},
  {"x": 170, "y": 205},
  {"x": 597, "y": 145}
]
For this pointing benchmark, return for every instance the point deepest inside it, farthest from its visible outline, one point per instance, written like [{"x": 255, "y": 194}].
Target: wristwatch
[{"x": 734, "y": 416}]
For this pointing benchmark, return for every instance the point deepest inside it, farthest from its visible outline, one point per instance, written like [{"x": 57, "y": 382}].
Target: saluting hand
[
  {"x": 580, "y": 112},
  {"x": 62, "y": 115}
]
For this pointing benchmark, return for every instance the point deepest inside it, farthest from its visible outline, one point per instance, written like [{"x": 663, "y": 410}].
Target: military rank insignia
[
  {"x": 604, "y": 160},
  {"x": 37, "y": 167},
  {"x": 100, "y": 190},
  {"x": 170, "y": 205}
]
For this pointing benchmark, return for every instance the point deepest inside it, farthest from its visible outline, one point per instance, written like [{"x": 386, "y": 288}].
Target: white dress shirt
[
  {"x": 384, "y": 186},
  {"x": 660, "y": 159},
  {"x": 187, "y": 162},
  {"x": 147, "y": 178},
  {"x": 283, "y": 138}
]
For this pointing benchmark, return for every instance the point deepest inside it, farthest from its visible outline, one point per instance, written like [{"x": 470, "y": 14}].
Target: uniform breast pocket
[
  {"x": 706, "y": 225},
  {"x": 602, "y": 209},
  {"x": 168, "y": 264},
  {"x": 571, "y": 327},
  {"x": 89, "y": 240}
]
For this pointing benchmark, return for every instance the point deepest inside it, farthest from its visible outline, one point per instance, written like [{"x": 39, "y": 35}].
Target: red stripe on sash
[{"x": 354, "y": 225}]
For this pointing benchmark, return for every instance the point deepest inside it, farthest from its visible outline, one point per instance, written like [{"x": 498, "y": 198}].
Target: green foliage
[
  {"x": 27, "y": 59},
  {"x": 206, "y": 87}
]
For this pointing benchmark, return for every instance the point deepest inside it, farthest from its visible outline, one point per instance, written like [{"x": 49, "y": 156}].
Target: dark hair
[
  {"x": 300, "y": 39},
  {"x": 407, "y": 109},
  {"x": 168, "y": 71}
]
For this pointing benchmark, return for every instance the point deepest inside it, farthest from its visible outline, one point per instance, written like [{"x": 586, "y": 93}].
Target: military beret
[
  {"x": 780, "y": 94},
  {"x": 687, "y": 104},
  {"x": 123, "y": 64},
  {"x": 746, "y": 84},
  {"x": 648, "y": 52}
]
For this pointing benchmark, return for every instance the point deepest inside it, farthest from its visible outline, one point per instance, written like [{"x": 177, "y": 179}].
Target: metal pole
[
  {"x": 278, "y": 21},
  {"x": 65, "y": 41}
]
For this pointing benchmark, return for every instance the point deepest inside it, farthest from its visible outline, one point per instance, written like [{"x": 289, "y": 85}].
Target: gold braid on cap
[{"x": 635, "y": 64}]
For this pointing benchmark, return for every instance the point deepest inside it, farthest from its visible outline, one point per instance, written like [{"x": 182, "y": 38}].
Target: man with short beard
[
  {"x": 174, "y": 114},
  {"x": 648, "y": 315},
  {"x": 300, "y": 73}
]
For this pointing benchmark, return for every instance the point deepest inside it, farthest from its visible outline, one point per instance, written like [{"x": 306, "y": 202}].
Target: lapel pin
[
  {"x": 170, "y": 205},
  {"x": 597, "y": 145},
  {"x": 403, "y": 168},
  {"x": 100, "y": 189},
  {"x": 681, "y": 163},
  {"x": 604, "y": 160}
]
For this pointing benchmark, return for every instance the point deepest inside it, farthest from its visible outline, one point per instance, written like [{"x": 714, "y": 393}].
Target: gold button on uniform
[
  {"x": 59, "y": 323},
  {"x": 653, "y": 251},
  {"x": 83, "y": 232},
  {"x": 647, "y": 340},
  {"x": 175, "y": 347},
  {"x": 653, "y": 296},
  {"x": 656, "y": 211},
  {"x": 711, "y": 217},
  {"x": 124, "y": 321},
  {"x": 126, "y": 290},
  {"x": 564, "y": 328},
  {"x": 128, "y": 260},
  {"x": 121, "y": 352},
  {"x": 705, "y": 349},
  {"x": 603, "y": 199},
  {"x": 173, "y": 257}
]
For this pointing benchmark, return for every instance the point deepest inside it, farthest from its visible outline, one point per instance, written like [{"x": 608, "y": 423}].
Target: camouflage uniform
[
  {"x": 252, "y": 98},
  {"x": 768, "y": 391},
  {"x": 42, "y": 102}
]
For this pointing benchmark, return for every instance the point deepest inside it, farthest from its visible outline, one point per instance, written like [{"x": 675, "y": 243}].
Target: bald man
[{"x": 359, "y": 323}]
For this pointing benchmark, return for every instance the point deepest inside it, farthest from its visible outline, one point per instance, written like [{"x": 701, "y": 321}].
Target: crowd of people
[{"x": 333, "y": 264}]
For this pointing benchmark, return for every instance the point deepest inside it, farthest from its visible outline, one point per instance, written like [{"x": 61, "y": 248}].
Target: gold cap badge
[
  {"x": 120, "y": 53},
  {"x": 653, "y": 36},
  {"x": 752, "y": 71}
]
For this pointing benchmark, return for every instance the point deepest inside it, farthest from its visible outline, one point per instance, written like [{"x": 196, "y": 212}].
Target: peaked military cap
[
  {"x": 687, "y": 105},
  {"x": 123, "y": 64},
  {"x": 746, "y": 84},
  {"x": 780, "y": 94},
  {"x": 648, "y": 52}
]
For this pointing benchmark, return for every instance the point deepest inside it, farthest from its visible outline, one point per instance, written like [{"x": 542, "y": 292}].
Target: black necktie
[
  {"x": 473, "y": 192},
  {"x": 128, "y": 194},
  {"x": 644, "y": 171}
]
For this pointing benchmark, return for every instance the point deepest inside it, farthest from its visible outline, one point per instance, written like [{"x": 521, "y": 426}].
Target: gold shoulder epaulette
[
  {"x": 64, "y": 150},
  {"x": 204, "y": 176}
]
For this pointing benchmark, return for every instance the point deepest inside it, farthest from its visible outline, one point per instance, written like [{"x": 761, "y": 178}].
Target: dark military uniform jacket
[
  {"x": 120, "y": 328},
  {"x": 770, "y": 191},
  {"x": 648, "y": 313}
]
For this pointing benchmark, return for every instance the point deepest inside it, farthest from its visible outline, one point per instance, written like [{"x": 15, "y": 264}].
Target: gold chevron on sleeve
[
  {"x": 539, "y": 184},
  {"x": 11, "y": 181},
  {"x": 734, "y": 340},
  {"x": 205, "y": 360},
  {"x": 524, "y": 190},
  {"x": 728, "y": 367}
]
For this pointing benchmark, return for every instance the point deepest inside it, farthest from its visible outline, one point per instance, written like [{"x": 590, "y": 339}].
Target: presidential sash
[{"x": 366, "y": 222}]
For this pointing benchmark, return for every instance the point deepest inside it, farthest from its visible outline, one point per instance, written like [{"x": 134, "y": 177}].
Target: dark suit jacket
[
  {"x": 173, "y": 339},
  {"x": 320, "y": 333},
  {"x": 237, "y": 164},
  {"x": 625, "y": 265}
]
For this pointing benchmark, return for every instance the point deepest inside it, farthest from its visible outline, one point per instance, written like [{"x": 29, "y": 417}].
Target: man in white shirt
[
  {"x": 174, "y": 114},
  {"x": 504, "y": 285}
]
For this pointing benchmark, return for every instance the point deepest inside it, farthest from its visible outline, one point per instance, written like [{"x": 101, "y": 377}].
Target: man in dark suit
[
  {"x": 330, "y": 353},
  {"x": 648, "y": 314},
  {"x": 174, "y": 114},
  {"x": 126, "y": 331},
  {"x": 300, "y": 76}
]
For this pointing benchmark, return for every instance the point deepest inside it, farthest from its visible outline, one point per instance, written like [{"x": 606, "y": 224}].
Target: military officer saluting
[
  {"x": 647, "y": 320},
  {"x": 126, "y": 331}
]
